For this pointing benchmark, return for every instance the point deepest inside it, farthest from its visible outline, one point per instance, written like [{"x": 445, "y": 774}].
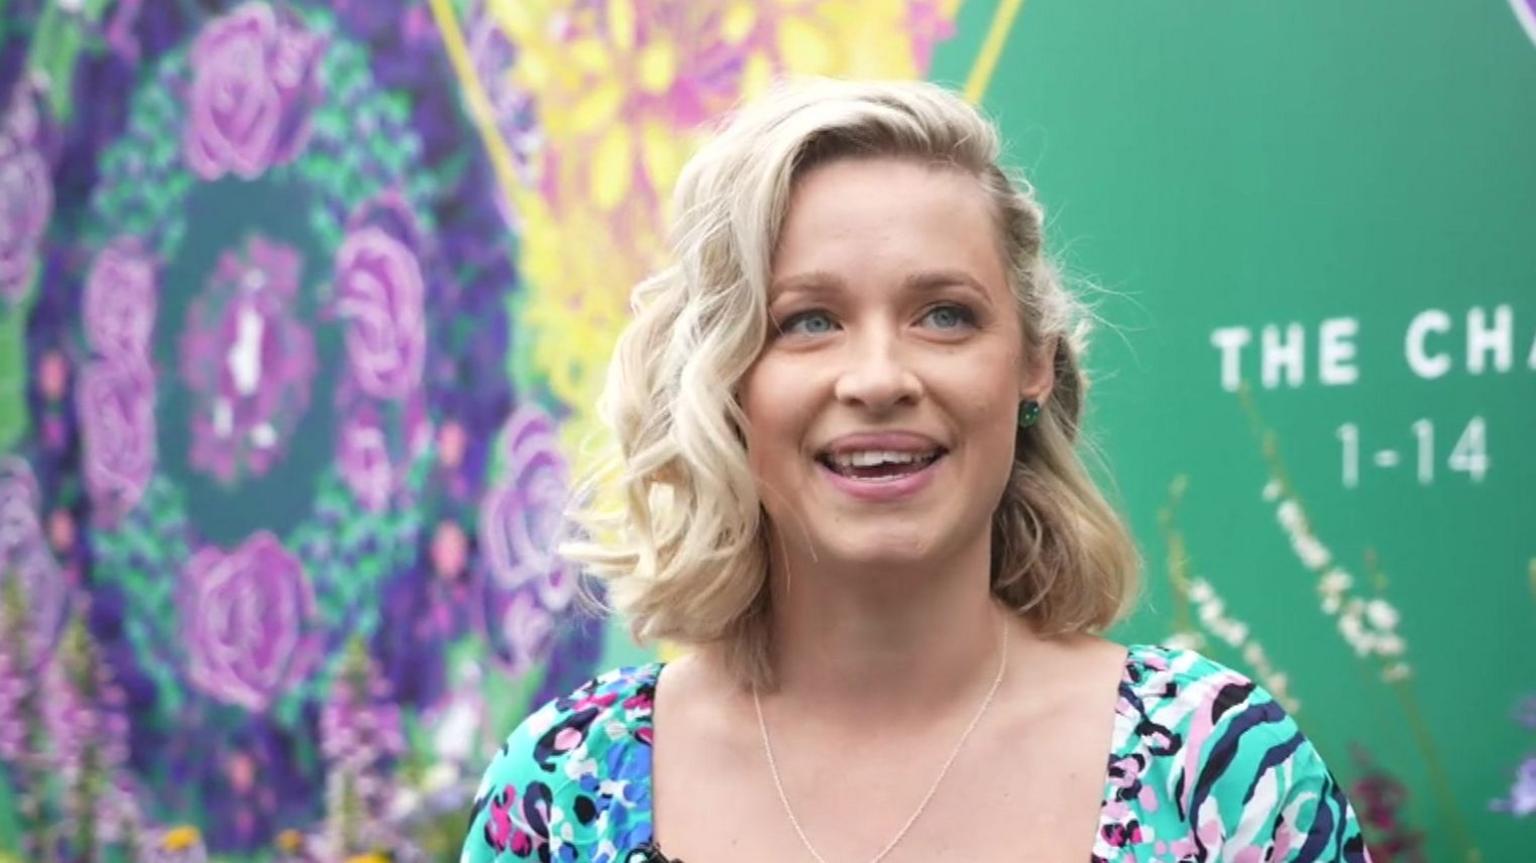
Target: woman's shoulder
[
  {"x": 1178, "y": 682},
  {"x": 1176, "y": 699},
  {"x": 573, "y": 772},
  {"x": 614, "y": 707},
  {"x": 1202, "y": 748}
]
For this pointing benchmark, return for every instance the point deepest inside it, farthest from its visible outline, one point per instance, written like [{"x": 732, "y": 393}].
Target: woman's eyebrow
[
  {"x": 929, "y": 280},
  {"x": 814, "y": 283}
]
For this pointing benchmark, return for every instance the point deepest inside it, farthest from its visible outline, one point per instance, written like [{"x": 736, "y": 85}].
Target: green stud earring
[{"x": 1029, "y": 411}]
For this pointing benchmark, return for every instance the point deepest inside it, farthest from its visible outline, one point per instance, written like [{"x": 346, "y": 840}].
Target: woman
[{"x": 846, "y": 416}]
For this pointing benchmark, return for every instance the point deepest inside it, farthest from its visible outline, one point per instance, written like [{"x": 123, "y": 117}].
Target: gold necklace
[{"x": 778, "y": 783}]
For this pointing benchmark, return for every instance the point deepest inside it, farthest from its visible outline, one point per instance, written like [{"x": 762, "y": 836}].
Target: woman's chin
[{"x": 878, "y": 551}]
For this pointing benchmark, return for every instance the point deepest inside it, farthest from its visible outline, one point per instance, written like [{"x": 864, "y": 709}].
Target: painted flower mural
[
  {"x": 381, "y": 294},
  {"x": 364, "y": 458},
  {"x": 299, "y": 371},
  {"x": 115, "y": 391},
  {"x": 24, "y": 554},
  {"x": 26, "y": 192},
  {"x": 520, "y": 518},
  {"x": 248, "y": 360},
  {"x": 115, "y": 399},
  {"x": 247, "y": 621},
  {"x": 120, "y": 300},
  {"x": 254, "y": 83}
]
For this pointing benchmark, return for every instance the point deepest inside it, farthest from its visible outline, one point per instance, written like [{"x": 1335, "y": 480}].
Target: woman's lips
[{"x": 882, "y": 489}]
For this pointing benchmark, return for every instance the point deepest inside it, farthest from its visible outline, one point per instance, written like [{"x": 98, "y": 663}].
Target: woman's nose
[{"x": 876, "y": 375}]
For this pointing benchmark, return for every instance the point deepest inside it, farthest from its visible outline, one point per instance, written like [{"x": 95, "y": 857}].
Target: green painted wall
[{"x": 1244, "y": 165}]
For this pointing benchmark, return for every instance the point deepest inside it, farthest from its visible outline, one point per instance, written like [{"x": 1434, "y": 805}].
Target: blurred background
[{"x": 304, "y": 307}]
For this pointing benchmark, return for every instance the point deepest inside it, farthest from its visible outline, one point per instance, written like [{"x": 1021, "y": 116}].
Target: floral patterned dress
[{"x": 1205, "y": 765}]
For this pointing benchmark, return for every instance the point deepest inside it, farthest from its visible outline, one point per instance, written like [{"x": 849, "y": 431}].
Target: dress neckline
[{"x": 649, "y": 851}]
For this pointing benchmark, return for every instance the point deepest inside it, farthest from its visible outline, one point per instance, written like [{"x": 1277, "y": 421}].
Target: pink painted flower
[
  {"x": 247, "y": 360},
  {"x": 247, "y": 621},
  {"x": 526, "y": 633},
  {"x": 115, "y": 399},
  {"x": 120, "y": 300},
  {"x": 53, "y": 375},
  {"x": 381, "y": 294},
  {"x": 254, "y": 84},
  {"x": 18, "y": 502},
  {"x": 521, "y": 517},
  {"x": 929, "y": 23},
  {"x": 26, "y": 204},
  {"x": 24, "y": 552},
  {"x": 363, "y": 458},
  {"x": 450, "y": 550}
]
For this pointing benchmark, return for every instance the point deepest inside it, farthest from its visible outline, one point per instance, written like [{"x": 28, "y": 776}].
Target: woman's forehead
[{"x": 896, "y": 220}]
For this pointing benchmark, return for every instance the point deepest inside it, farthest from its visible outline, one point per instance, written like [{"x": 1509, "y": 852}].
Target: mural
[{"x": 305, "y": 305}]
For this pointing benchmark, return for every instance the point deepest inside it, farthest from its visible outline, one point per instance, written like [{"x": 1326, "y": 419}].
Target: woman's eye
[
  {"x": 807, "y": 324},
  {"x": 949, "y": 317}
]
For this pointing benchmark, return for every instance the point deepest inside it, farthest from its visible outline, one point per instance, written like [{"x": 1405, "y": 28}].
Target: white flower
[
  {"x": 440, "y": 777},
  {"x": 1253, "y": 654},
  {"x": 1291, "y": 517},
  {"x": 1200, "y": 590},
  {"x": 1184, "y": 641},
  {"x": 1314, "y": 555},
  {"x": 405, "y": 802},
  {"x": 455, "y": 735},
  {"x": 1381, "y": 614},
  {"x": 1354, "y": 633},
  {"x": 1271, "y": 491},
  {"x": 1335, "y": 581},
  {"x": 1395, "y": 672},
  {"x": 1236, "y": 633},
  {"x": 1390, "y": 644}
]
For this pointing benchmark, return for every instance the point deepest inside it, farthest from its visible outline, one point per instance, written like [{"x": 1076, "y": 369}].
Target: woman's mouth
[{"x": 879, "y": 466}]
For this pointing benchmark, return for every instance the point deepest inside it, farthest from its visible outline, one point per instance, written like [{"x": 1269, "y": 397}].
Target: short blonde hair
[{"x": 682, "y": 543}]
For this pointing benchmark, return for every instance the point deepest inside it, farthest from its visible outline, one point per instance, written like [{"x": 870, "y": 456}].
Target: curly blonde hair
[{"x": 672, "y": 521}]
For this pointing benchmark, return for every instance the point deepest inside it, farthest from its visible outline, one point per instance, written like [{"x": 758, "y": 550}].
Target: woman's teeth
[{"x": 873, "y": 464}]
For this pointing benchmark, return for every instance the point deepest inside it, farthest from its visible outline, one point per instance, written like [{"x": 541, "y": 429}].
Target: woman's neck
[{"x": 900, "y": 642}]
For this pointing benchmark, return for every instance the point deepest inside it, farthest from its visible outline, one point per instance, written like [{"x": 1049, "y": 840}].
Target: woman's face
[{"x": 883, "y": 408}]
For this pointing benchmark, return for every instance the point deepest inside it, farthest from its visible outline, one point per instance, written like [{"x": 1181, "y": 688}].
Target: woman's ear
[{"x": 1039, "y": 375}]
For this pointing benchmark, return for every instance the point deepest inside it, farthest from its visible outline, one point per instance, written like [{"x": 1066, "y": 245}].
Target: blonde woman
[{"x": 846, "y": 416}]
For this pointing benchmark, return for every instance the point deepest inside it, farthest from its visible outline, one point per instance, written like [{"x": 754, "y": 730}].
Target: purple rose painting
[
  {"x": 26, "y": 205},
  {"x": 254, "y": 83},
  {"x": 115, "y": 399},
  {"x": 381, "y": 294},
  {"x": 248, "y": 622},
  {"x": 492, "y": 54},
  {"x": 525, "y": 631},
  {"x": 24, "y": 551},
  {"x": 120, "y": 301},
  {"x": 363, "y": 459},
  {"x": 247, "y": 361},
  {"x": 520, "y": 517}
]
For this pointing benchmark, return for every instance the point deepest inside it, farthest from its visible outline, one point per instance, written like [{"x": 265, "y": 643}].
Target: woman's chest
[{"x": 1014, "y": 794}]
